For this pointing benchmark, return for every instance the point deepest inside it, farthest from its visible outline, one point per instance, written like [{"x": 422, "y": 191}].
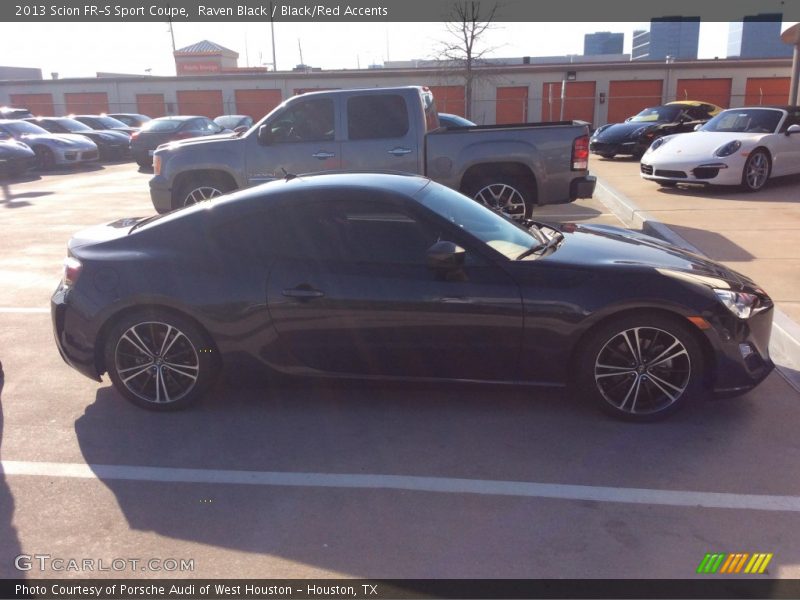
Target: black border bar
[
  {"x": 323, "y": 11},
  {"x": 369, "y": 589}
]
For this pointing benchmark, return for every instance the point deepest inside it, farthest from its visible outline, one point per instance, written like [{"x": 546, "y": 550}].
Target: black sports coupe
[
  {"x": 634, "y": 136},
  {"x": 393, "y": 276}
]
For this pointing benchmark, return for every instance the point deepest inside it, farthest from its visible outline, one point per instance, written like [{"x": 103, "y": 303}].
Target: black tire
[
  {"x": 45, "y": 159},
  {"x": 512, "y": 194},
  {"x": 751, "y": 182},
  {"x": 144, "y": 163},
  {"x": 609, "y": 377},
  {"x": 160, "y": 360},
  {"x": 668, "y": 184},
  {"x": 198, "y": 188}
]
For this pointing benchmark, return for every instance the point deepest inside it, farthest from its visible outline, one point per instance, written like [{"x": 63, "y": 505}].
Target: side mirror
[
  {"x": 264, "y": 137},
  {"x": 793, "y": 129},
  {"x": 698, "y": 127},
  {"x": 445, "y": 256},
  {"x": 628, "y": 119}
]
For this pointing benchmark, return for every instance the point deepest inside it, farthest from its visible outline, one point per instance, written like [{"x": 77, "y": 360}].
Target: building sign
[{"x": 197, "y": 68}]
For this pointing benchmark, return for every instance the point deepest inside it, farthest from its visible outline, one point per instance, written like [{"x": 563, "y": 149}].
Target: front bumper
[
  {"x": 612, "y": 148},
  {"x": 741, "y": 352},
  {"x": 713, "y": 171},
  {"x": 582, "y": 187},
  {"x": 161, "y": 194},
  {"x": 71, "y": 156},
  {"x": 17, "y": 166}
]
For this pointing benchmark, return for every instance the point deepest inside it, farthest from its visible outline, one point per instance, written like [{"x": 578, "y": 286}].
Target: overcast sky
[{"x": 82, "y": 49}]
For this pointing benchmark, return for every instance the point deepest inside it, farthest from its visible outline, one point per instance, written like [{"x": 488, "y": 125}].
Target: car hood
[
  {"x": 73, "y": 139},
  {"x": 702, "y": 144},
  {"x": 604, "y": 245},
  {"x": 103, "y": 233},
  {"x": 202, "y": 140},
  {"x": 622, "y": 131}
]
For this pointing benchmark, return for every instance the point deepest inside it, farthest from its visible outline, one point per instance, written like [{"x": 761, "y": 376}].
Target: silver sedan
[{"x": 51, "y": 149}]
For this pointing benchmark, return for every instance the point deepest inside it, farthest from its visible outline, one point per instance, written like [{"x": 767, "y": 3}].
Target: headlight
[
  {"x": 657, "y": 144},
  {"x": 742, "y": 304},
  {"x": 728, "y": 148},
  {"x": 600, "y": 130}
]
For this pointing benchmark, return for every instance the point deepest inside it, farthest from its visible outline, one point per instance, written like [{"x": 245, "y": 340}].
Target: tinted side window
[
  {"x": 307, "y": 121},
  {"x": 356, "y": 231},
  {"x": 376, "y": 117}
]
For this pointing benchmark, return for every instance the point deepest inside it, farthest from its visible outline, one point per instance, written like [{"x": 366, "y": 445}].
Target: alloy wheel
[
  {"x": 157, "y": 362},
  {"x": 199, "y": 194},
  {"x": 757, "y": 171},
  {"x": 504, "y": 197},
  {"x": 642, "y": 370}
]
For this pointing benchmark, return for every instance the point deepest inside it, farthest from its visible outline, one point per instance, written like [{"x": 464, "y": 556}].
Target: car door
[
  {"x": 299, "y": 139},
  {"x": 379, "y": 134},
  {"x": 352, "y": 294},
  {"x": 786, "y": 148}
]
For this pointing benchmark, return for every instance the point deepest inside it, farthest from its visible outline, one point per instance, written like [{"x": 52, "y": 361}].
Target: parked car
[
  {"x": 396, "y": 129},
  {"x": 167, "y": 129},
  {"x": 50, "y": 149},
  {"x": 16, "y": 158},
  {"x": 452, "y": 121},
  {"x": 104, "y": 122},
  {"x": 8, "y": 112},
  {"x": 111, "y": 144},
  {"x": 236, "y": 123},
  {"x": 740, "y": 146},
  {"x": 634, "y": 136},
  {"x": 130, "y": 119},
  {"x": 395, "y": 276}
]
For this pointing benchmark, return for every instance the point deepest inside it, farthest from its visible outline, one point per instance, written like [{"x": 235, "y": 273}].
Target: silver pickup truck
[{"x": 509, "y": 167}]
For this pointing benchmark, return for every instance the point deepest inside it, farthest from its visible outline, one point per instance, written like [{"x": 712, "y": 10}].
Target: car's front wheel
[
  {"x": 45, "y": 159},
  {"x": 203, "y": 187},
  {"x": 160, "y": 360},
  {"x": 756, "y": 171},
  {"x": 641, "y": 367}
]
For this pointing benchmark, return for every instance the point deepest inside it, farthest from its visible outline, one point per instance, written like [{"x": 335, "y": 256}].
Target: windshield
[
  {"x": 495, "y": 231},
  {"x": 657, "y": 114},
  {"x": 162, "y": 125},
  {"x": 24, "y": 128},
  {"x": 73, "y": 125},
  {"x": 750, "y": 120},
  {"x": 230, "y": 121},
  {"x": 110, "y": 122}
]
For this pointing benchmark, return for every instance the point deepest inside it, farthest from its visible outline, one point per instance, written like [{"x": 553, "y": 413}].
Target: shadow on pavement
[
  {"x": 472, "y": 432},
  {"x": 9, "y": 541},
  {"x": 779, "y": 189},
  {"x": 715, "y": 245}
]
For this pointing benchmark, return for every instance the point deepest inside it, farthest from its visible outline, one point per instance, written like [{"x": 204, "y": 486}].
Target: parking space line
[
  {"x": 12, "y": 309},
  {"x": 445, "y": 485}
]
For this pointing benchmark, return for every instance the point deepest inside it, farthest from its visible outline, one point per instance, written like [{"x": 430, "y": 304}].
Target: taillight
[
  {"x": 580, "y": 153},
  {"x": 72, "y": 270},
  {"x": 134, "y": 135}
]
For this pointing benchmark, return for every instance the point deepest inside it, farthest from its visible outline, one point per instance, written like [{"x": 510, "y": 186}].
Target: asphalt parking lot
[{"x": 310, "y": 479}]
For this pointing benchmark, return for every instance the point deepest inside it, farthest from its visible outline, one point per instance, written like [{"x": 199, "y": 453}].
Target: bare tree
[{"x": 463, "y": 49}]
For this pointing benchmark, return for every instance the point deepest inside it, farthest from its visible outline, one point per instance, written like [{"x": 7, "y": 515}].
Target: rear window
[
  {"x": 376, "y": 116},
  {"x": 162, "y": 125}
]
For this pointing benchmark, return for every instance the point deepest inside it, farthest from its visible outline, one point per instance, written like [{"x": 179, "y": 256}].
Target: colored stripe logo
[{"x": 738, "y": 562}]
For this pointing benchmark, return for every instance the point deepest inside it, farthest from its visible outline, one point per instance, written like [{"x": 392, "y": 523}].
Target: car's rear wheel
[
  {"x": 159, "y": 360},
  {"x": 756, "y": 171},
  {"x": 204, "y": 187},
  {"x": 45, "y": 159},
  {"x": 641, "y": 367},
  {"x": 507, "y": 193}
]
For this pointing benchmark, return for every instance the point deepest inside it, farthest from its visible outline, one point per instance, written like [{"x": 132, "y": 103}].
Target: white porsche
[{"x": 740, "y": 146}]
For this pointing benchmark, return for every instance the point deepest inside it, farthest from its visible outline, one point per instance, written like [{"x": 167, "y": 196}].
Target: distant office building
[
  {"x": 640, "y": 49},
  {"x": 670, "y": 36},
  {"x": 758, "y": 36},
  {"x": 602, "y": 42}
]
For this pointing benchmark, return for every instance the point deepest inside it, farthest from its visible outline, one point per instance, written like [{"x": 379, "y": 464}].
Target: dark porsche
[
  {"x": 634, "y": 136},
  {"x": 397, "y": 277}
]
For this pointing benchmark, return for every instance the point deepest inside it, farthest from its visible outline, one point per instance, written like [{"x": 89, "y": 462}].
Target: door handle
[
  {"x": 303, "y": 292},
  {"x": 321, "y": 155},
  {"x": 399, "y": 151}
]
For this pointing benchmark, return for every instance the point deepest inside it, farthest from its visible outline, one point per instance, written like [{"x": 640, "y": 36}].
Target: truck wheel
[
  {"x": 507, "y": 193},
  {"x": 197, "y": 189}
]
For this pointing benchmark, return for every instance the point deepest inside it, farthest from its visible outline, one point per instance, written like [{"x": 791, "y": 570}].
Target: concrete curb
[{"x": 784, "y": 345}]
